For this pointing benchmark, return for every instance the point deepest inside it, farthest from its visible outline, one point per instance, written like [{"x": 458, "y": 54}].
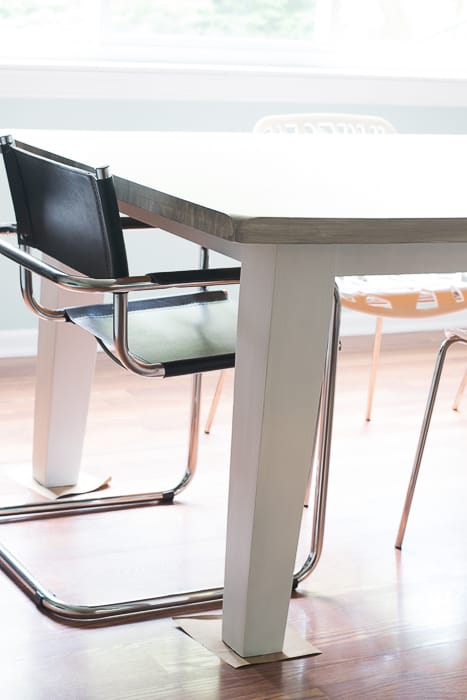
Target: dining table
[{"x": 296, "y": 211}]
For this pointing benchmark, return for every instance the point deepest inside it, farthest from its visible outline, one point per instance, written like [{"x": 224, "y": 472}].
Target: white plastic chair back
[{"x": 324, "y": 123}]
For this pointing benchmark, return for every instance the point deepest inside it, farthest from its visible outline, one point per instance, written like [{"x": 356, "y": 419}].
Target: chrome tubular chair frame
[
  {"x": 75, "y": 506},
  {"x": 323, "y": 446},
  {"x": 133, "y": 610},
  {"x": 452, "y": 338}
]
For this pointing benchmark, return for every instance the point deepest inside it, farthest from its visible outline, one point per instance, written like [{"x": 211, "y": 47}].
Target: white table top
[{"x": 282, "y": 188}]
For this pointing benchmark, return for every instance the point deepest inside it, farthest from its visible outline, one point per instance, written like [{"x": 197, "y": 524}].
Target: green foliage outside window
[
  {"x": 243, "y": 19},
  {"x": 291, "y": 19}
]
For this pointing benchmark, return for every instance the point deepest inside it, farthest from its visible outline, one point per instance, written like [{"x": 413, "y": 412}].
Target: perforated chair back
[
  {"x": 405, "y": 296},
  {"x": 323, "y": 122},
  {"x": 67, "y": 212}
]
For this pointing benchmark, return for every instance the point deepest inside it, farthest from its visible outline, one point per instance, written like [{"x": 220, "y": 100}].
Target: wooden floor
[{"x": 389, "y": 624}]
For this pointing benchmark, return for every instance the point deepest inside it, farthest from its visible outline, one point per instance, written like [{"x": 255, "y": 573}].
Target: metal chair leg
[
  {"x": 215, "y": 401},
  {"x": 324, "y": 447},
  {"x": 75, "y": 506},
  {"x": 460, "y": 392},
  {"x": 48, "y": 603},
  {"x": 374, "y": 366},
  {"x": 424, "y": 434},
  {"x": 125, "y": 611}
]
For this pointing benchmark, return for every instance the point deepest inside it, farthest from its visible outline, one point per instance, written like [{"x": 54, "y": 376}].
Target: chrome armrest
[
  {"x": 78, "y": 283},
  {"x": 199, "y": 277},
  {"x": 137, "y": 283}
]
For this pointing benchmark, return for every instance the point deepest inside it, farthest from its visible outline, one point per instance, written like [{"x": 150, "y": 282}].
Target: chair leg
[
  {"x": 374, "y": 366},
  {"x": 193, "y": 443},
  {"x": 423, "y": 435},
  {"x": 131, "y": 610},
  {"x": 75, "y": 506},
  {"x": 460, "y": 392},
  {"x": 221, "y": 380},
  {"x": 215, "y": 401},
  {"x": 308, "y": 487},
  {"x": 319, "y": 432},
  {"x": 124, "y": 611},
  {"x": 324, "y": 447}
]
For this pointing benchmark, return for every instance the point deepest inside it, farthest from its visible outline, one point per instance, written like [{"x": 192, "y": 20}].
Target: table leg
[
  {"x": 285, "y": 306},
  {"x": 65, "y": 367}
]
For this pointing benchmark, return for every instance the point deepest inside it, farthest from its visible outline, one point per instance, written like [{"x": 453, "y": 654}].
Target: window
[
  {"x": 173, "y": 30},
  {"x": 396, "y": 35},
  {"x": 421, "y": 35}
]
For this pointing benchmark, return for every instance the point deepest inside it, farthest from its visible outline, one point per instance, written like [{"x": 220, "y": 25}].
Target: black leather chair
[{"x": 69, "y": 212}]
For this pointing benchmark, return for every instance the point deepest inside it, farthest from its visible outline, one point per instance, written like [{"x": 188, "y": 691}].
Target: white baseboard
[
  {"x": 18, "y": 342},
  {"x": 23, "y": 342}
]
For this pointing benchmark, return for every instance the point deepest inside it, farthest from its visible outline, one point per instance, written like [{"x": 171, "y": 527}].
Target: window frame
[
  {"x": 278, "y": 71},
  {"x": 202, "y": 83}
]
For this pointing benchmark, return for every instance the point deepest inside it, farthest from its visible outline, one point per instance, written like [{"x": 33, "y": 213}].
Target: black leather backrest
[{"x": 66, "y": 212}]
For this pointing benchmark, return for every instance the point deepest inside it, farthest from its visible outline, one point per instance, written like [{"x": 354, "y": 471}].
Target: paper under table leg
[
  {"x": 285, "y": 306},
  {"x": 65, "y": 367}
]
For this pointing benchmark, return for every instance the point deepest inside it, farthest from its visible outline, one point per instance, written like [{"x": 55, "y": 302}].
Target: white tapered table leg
[
  {"x": 285, "y": 306},
  {"x": 65, "y": 367}
]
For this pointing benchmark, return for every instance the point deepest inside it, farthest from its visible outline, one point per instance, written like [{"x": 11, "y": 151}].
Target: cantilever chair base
[
  {"x": 133, "y": 610},
  {"x": 124, "y": 611},
  {"x": 76, "y": 506}
]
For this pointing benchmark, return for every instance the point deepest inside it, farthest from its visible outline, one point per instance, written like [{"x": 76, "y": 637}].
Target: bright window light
[{"x": 396, "y": 35}]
